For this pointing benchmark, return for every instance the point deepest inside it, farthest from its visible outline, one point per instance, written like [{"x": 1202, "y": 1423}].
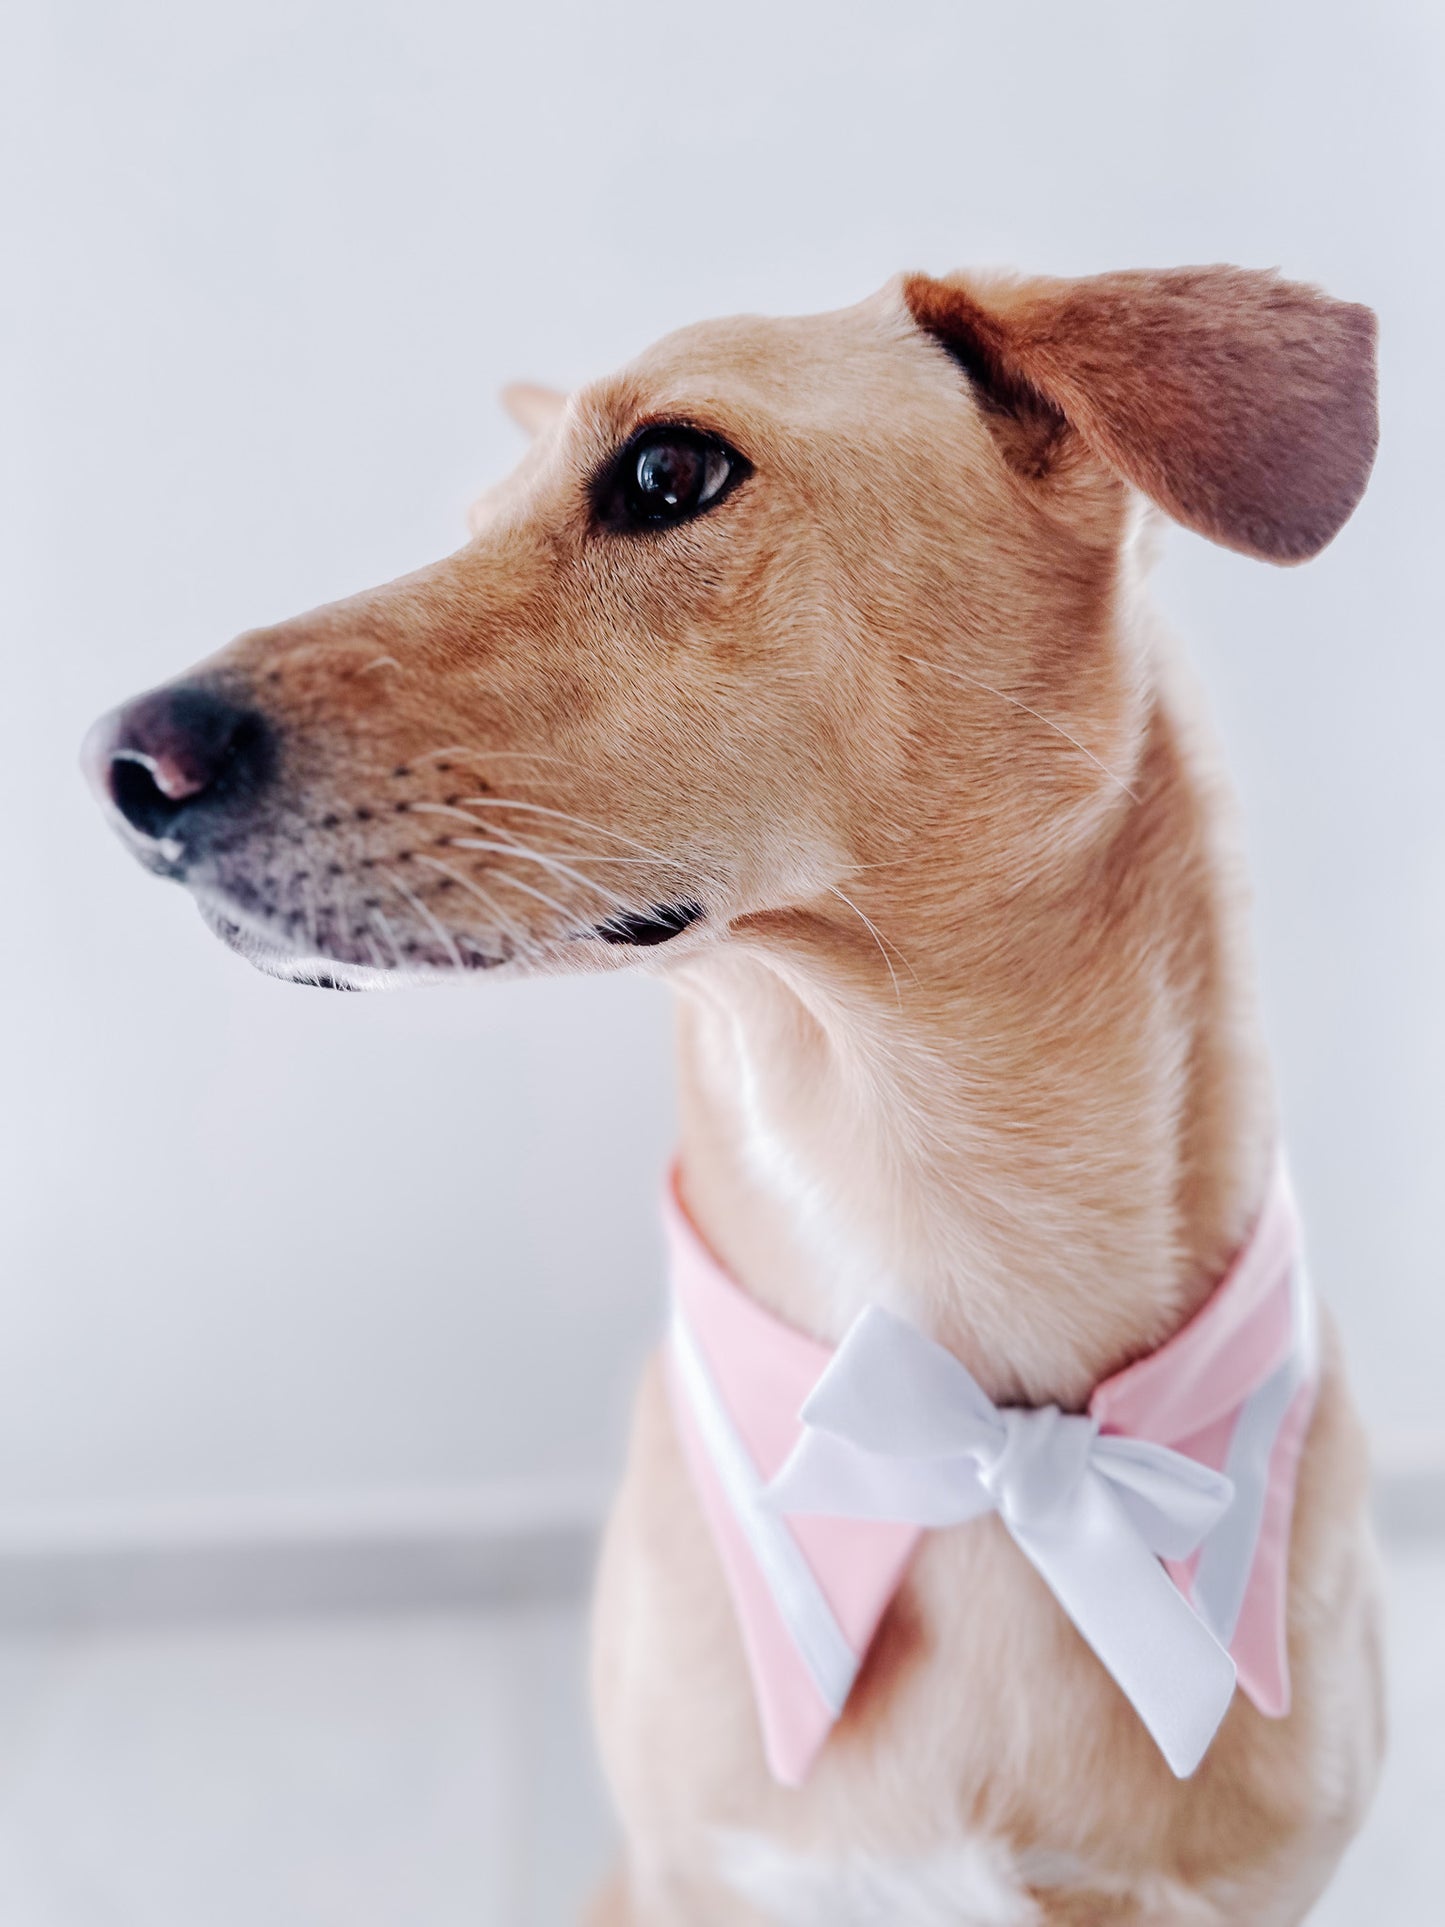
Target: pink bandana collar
[{"x": 819, "y": 1470}]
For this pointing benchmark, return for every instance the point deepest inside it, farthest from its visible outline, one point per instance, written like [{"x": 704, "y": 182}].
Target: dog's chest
[
  {"x": 974, "y": 1883},
  {"x": 977, "y": 1881}
]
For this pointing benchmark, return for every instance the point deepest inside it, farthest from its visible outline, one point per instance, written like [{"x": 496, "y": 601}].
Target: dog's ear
[
  {"x": 532, "y": 407},
  {"x": 1240, "y": 403}
]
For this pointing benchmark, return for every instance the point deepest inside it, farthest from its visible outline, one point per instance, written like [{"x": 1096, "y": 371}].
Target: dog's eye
[{"x": 669, "y": 474}]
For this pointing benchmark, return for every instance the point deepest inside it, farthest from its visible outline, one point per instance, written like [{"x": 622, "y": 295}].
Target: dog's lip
[
  {"x": 260, "y": 948},
  {"x": 268, "y": 950},
  {"x": 274, "y": 959}
]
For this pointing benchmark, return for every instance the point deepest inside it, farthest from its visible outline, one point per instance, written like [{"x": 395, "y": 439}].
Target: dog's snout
[{"x": 178, "y": 758}]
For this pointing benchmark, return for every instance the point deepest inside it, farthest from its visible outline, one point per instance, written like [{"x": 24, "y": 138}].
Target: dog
[{"x": 808, "y": 663}]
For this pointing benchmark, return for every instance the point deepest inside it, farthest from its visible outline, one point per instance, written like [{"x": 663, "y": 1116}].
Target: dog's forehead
[{"x": 784, "y": 365}]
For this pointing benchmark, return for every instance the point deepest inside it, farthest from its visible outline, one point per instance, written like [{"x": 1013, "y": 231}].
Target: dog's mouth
[
  {"x": 439, "y": 955},
  {"x": 648, "y": 928}
]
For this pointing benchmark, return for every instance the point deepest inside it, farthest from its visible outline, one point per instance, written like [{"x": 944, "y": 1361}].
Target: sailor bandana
[{"x": 1159, "y": 1519}]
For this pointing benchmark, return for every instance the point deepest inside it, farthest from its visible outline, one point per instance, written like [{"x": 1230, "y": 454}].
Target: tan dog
[{"x": 808, "y": 662}]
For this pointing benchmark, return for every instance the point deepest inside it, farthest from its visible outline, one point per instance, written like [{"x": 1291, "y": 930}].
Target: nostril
[
  {"x": 140, "y": 794},
  {"x": 176, "y": 751},
  {"x": 175, "y": 776}
]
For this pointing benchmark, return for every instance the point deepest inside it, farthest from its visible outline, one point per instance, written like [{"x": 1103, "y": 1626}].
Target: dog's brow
[{"x": 608, "y": 413}]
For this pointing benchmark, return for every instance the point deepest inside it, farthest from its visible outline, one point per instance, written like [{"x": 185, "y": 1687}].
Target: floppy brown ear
[{"x": 1242, "y": 404}]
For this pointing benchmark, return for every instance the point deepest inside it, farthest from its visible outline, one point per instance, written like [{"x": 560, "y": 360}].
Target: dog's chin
[{"x": 316, "y": 970}]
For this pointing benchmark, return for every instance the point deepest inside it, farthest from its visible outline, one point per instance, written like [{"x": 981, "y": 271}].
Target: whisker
[
  {"x": 472, "y": 753},
  {"x": 959, "y": 675},
  {"x": 583, "y": 856},
  {"x": 309, "y": 906},
  {"x": 550, "y": 861},
  {"x": 564, "y": 816},
  {"x": 519, "y": 936},
  {"x": 559, "y": 816},
  {"x": 379, "y": 918},
  {"x": 563, "y": 870},
  {"x": 877, "y": 937},
  {"x": 444, "y": 809},
  {"x": 334, "y": 909},
  {"x": 505, "y": 876},
  {"x": 409, "y": 896}
]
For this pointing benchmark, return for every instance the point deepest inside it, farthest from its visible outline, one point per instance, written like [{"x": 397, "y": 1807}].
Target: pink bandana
[{"x": 819, "y": 1470}]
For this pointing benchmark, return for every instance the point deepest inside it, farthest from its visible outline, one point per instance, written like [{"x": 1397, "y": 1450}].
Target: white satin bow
[{"x": 897, "y": 1428}]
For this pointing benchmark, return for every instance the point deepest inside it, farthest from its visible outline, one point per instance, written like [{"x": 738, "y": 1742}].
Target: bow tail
[{"x": 1170, "y": 1667}]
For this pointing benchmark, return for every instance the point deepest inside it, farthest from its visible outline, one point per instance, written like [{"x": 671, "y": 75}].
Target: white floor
[
  {"x": 402, "y": 1772},
  {"x": 434, "y": 1772}
]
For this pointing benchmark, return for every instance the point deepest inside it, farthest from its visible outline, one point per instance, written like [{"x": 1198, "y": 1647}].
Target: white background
[{"x": 264, "y": 268}]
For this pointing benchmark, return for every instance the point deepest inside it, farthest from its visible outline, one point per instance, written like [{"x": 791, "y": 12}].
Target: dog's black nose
[{"x": 179, "y": 758}]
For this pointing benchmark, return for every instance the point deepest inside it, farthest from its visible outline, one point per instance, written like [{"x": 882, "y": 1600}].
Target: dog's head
[{"x": 754, "y": 621}]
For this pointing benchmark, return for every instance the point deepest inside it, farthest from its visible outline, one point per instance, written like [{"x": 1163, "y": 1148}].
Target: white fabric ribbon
[{"x": 897, "y": 1428}]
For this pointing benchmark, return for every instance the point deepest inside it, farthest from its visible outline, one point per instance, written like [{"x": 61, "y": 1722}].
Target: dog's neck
[{"x": 1043, "y": 1140}]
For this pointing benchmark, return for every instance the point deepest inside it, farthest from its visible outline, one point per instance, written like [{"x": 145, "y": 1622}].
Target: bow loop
[{"x": 892, "y": 1391}]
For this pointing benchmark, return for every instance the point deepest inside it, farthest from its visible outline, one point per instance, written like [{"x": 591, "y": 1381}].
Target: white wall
[{"x": 267, "y": 265}]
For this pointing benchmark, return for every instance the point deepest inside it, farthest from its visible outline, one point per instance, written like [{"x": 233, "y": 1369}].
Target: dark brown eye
[{"x": 668, "y": 474}]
